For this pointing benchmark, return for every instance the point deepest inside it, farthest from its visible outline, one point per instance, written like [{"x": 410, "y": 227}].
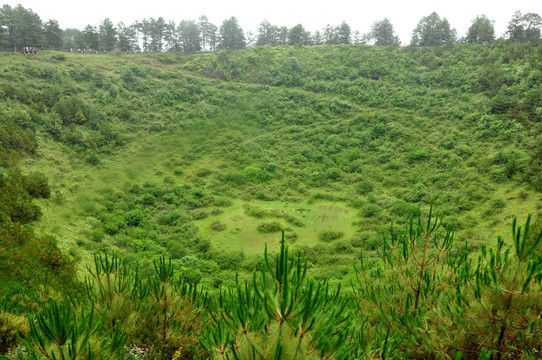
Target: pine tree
[
  {"x": 280, "y": 314},
  {"x": 231, "y": 35}
]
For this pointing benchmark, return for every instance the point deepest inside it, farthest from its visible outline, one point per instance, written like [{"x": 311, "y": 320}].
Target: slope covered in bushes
[{"x": 205, "y": 158}]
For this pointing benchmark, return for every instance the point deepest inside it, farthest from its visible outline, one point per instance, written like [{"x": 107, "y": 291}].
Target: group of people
[
  {"x": 30, "y": 50},
  {"x": 92, "y": 51}
]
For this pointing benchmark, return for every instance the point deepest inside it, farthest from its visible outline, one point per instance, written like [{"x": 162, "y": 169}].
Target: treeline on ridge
[{"x": 21, "y": 28}]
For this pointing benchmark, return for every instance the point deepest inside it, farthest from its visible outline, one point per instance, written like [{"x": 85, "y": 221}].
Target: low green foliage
[
  {"x": 218, "y": 226},
  {"x": 280, "y": 314},
  {"x": 422, "y": 297},
  {"x": 160, "y": 155},
  {"x": 488, "y": 307},
  {"x": 269, "y": 227},
  {"x": 329, "y": 235},
  {"x": 59, "y": 332}
]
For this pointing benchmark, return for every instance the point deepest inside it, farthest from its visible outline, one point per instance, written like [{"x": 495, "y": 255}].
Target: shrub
[
  {"x": 203, "y": 172},
  {"x": 169, "y": 218},
  {"x": 371, "y": 210},
  {"x": 134, "y": 217},
  {"x": 256, "y": 211},
  {"x": 333, "y": 174},
  {"x": 237, "y": 179},
  {"x": 218, "y": 226},
  {"x": 36, "y": 185},
  {"x": 191, "y": 275},
  {"x": 202, "y": 245},
  {"x": 216, "y": 211},
  {"x": 112, "y": 224},
  {"x": 169, "y": 198},
  {"x": 10, "y": 326},
  {"x": 364, "y": 187},
  {"x": 291, "y": 237},
  {"x": 148, "y": 199},
  {"x": 417, "y": 155},
  {"x": 59, "y": 57},
  {"x": 269, "y": 227},
  {"x": 198, "y": 214},
  {"x": 330, "y": 235},
  {"x": 97, "y": 235},
  {"x": 176, "y": 250},
  {"x": 223, "y": 202}
]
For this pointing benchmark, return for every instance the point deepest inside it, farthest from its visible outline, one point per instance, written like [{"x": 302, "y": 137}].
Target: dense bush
[
  {"x": 269, "y": 227},
  {"x": 218, "y": 226},
  {"x": 330, "y": 235}
]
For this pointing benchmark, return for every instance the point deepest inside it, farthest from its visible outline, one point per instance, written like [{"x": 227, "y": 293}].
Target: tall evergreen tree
[
  {"x": 90, "y": 38},
  {"x": 143, "y": 29},
  {"x": 344, "y": 33},
  {"x": 78, "y": 40},
  {"x": 3, "y": 37},
  {"x": 382, "y": 33},
  {"x": 189, "y": 36},
  {"x": 432, "y": 31},
  {"x": 251, "y": 39},
  {"x": 7, "y": 26},
  {"x": 533, "y": 24},
  {"x": 157, "y": 27},
  {"x": 23, "y": 27},
  {"x": 516, "y": 31},
  {"x": 152, "y": 31},
  {"x": 283, "y": 35},
  {"x": 203, "y": 24},
  {"x": 53, "y": 35},
  {"x": 329, "y": 35},
  {"x": 212, "y": 36},
  {"x": 30, "y": 27},
  {"x": 268, "y": 35},
  {"x": 127, "y": 37},
  {"x": 298, "y": 36},
  {"x": 68, "y": 38},
  {"x": 524, "y": 28},
  {"x": 171, "y": 37},
  {"x": 108, "y": 35},
  {"x": 481, "y": 31},
  {"x": 316, "y": 39},
  {"x": 357, "y": 37},
  {"x": 231, "y": 35}
]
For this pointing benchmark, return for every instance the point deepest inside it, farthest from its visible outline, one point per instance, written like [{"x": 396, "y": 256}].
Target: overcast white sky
[{"x": 313, "y": 15}]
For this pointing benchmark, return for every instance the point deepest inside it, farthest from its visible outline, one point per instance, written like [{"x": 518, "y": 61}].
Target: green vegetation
[
  {"x": 187, "y": 167},
  {"x": 432, "y": 301}
]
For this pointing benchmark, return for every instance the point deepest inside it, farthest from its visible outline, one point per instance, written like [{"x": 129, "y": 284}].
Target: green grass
[
  {"x": 82, "y": 188},
  {"x": 376, "y": 148},
  {"x": 241, "y": 232}
]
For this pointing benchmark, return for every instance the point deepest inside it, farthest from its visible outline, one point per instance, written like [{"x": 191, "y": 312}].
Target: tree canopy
[
  {"x": 298, "y": 35},
  {"x": 189, "y": 36},
  {"x": 481, "y": 31},
  {"x": 108, "y": 35},
  {"x": 53, "y": 35},
  {"x": 524, "y": 28},
  {"x": 433, "y": 31},
  {"x": 382, "y": 33},
  {"x": 21, "y": 27},
  {"x": 232, "y": 36}
]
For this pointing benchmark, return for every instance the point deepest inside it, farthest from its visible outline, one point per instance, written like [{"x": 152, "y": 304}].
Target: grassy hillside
[
  {"x": 188, "y": 143},
  {"x": 204, "y": 159}
]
